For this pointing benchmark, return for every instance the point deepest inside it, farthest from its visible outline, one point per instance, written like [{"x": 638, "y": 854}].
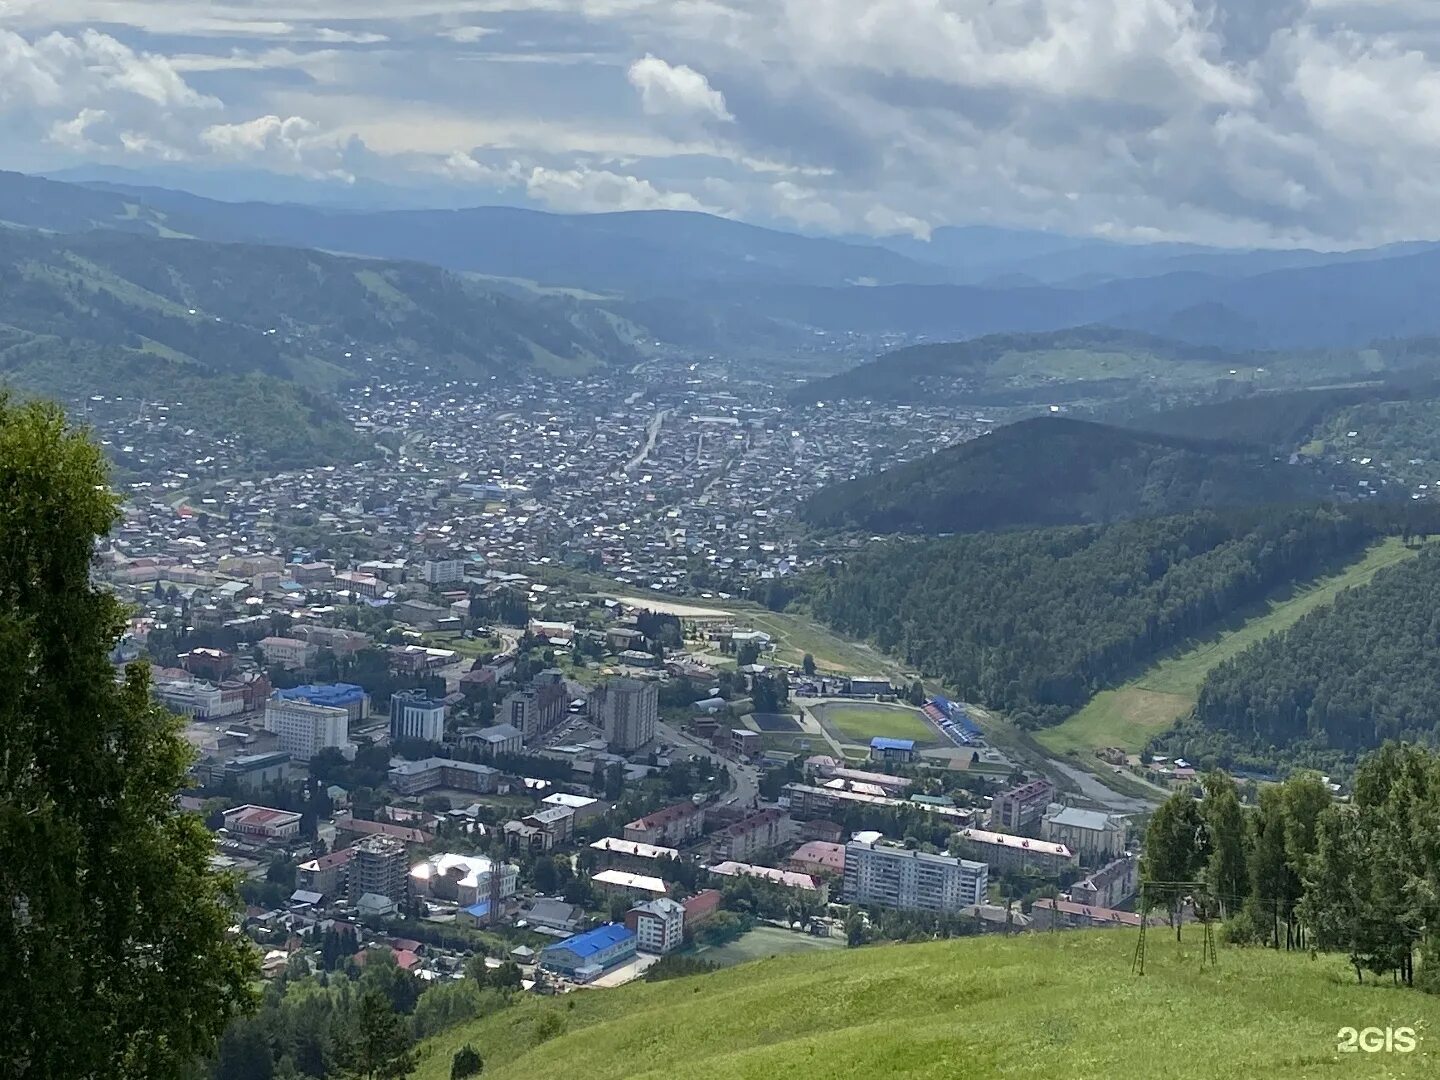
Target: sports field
[{"x": 859, "y": 722}]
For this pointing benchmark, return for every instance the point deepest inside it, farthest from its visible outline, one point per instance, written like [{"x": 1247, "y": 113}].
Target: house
[
  {"x": 899, "y": 751},
  {"x": 1096, "y": 836},
  {"x": 262, "y": 821},
  {"x": 632, "y": 886},
  {"x": 658, "y": 925},
  {"x": 543, "y": 830},
  {"x": 585, "y": 957},
  {"x": 671, "y": 826},
  {"x": 583, "y": 807}
]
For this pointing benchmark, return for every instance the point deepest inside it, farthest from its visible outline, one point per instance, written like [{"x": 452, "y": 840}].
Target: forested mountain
[
  {"x": 1344, "y": 679},
  {"x": 282, "y": 311},
  {"x": 1056, "y": 471},
  {"x": 1036, "y": 622},
  {"x": 1279, "y": 422}
]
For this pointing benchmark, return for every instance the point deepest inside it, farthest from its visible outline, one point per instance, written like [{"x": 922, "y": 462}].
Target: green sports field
[{"x": 859, "y": 722}]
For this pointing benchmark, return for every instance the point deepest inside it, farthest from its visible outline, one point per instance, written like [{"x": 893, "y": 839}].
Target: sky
[{"x": 1229, "y": 122}]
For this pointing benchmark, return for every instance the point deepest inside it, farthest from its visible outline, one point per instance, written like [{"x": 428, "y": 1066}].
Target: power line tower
[{"x": 1177, "y": 895}]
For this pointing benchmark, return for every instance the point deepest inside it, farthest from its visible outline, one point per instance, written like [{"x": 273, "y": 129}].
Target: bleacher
[{"x": 953, "y": 720}]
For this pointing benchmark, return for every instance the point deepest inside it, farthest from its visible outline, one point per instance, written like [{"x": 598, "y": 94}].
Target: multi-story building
[
  {"x": 413, "y": 777},
  {"x": 198, "y": 700},
  {"x": 758, "y": 832},
  {"x": 658, "y": 925},
  {"x": 628, "y": 710},
  {"x": 251, "y": 772},
  {"x": 465, "y": 879},
  {"x": 213, "y": 664},
  {"x": 363, "y": 585},
  {"x": 263, "y": 821},
  {"x": 289, "y": 653},
  {"x": 378, "y": 866},
  {"x": 630, "y": 886},
  {"x": 789, "y": 879},
  {"x": 891, "y": 875},
  {"x": 1096, "y": 836},
  {"x": 437, "y": 572},
  {"x": 311, "y": 573},
  {"x": 1005, "y": 850},
  {"x": 536, "y": 709},
  {"x": 306, "y": 729},
  {"x": 413, "y": 715},
  {"x": 353, "y": 699},
  {"x": 612, "y": 853},
  {"x": 497, "y": 739},
  {"x": 671, "y": 826},
  {"x": 1108, "y": 887},
  {"x": 584, "y": 807},
  {"x": 325, "y": 874},
  {"x": 1017, "y": 807}
]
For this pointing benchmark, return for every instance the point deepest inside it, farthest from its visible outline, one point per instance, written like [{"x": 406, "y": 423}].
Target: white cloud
[
  {"x": 291, "y": 144},
  {"x": 466, "y": 35},
  {"x": 588, "y": 191},
  {"x": 669, "y": 89}
]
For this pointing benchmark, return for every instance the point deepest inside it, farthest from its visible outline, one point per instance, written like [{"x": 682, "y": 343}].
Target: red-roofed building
[
  {"x": 262, "y": 821},
  {"x": 669, "y": 827},
  {"x": 700, "y": 907},
  {"x": 351, "y": 830},
  {"x": 818, "y": 857}
]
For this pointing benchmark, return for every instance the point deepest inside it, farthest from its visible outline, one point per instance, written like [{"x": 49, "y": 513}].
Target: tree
[
  {"x": 1176, "y": 850},
  {"x": 807, "y": 665},
  {"x": 107, "y": 896},
  {"x": 1226, "y": 872},
  {"x": 466, "y": 1062},
  {"x": 379, "y": 1046}
]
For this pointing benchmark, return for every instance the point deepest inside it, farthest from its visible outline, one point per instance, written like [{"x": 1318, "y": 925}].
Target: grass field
[
  {"x": 795, "y": 635},
  {"x": 859, "y": 723},
  {"x": 1130, "y": 716},
  {"x": 767, "y": 941},
  {"x": 1032, "y": 1006}
]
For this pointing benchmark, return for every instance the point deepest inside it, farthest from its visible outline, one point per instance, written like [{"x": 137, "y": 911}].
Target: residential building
[
  {"x": 1067, "y": 914},
  {"x": 498, "y": 739},
  {"x": 628, "y": 710},
  {"x": 816, "y": 858},
  {"x": 788, "y": 878},
  {"x": 673, "y": 825},
  {"x": 632, "y": 886},
  {"x": 437, "y": 572},
  {"x": 306, "y": 729},
  {"x": 1096, "y": 836},
  {"x": 378, "y": 866},
  {"x": 585, "y": 808},
  {"x": 289, "y": 653},
  {"x": 830, "y": 769},
  {"x": 414, "y": 716},
  {"x": 1110, "y": 886},
  {"x": 534, "y": 710},
  {"x": 198, "y": 700},
  {"x": 543, "y": 830},
  {"x": 806, "y": 801},
  {"x": 367, "y": 586},
  {"x": 311, "y": 573},
  {"x": 419, "y": 613},
  {"x": 612, "y": 853},
  {"x": 353, "y": 829},
  {"x": 463, "y": 879},
  {"x": 658, "y": 925},
  {"x": 1005, "y": 851},
  {"x": 891, "y": 875},
  {"x": 213, "y": 664},
  {"x": 758, "y": 832},
  {"x": 700, "y": 907},
  {"x": 262, "y": 821},
  {"x": 586, "y": 956},
  {"x": 353, "y": 699},
  {"x": 899, "y": 751},
  {"x": 326, "y": 874},
  {"x": 1017, "y": 807},
  {"x": 414, "y": 777},
  {"x": 745, "y": 743}
]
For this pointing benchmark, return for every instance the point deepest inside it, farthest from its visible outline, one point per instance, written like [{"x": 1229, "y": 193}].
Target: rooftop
[{"x": 593, "y": 941}]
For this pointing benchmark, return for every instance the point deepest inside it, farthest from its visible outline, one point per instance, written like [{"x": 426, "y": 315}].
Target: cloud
[
  {"x": 292, "y": 144},
  {"x": 587, "y": 191},
  {"x": 668, "y": 89},
  {"x": 466, "y": 35}
]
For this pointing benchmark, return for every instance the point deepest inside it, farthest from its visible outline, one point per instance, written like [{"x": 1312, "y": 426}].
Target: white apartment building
[
  {"x": 888, "y": 875},
  {"x": 415, "y": 716},
  {"x": 628, "y": 710},
  {"x": 439, "y": 572},
  {"x": 306, "y": 729},
  {"x": 659, "y": 925}
]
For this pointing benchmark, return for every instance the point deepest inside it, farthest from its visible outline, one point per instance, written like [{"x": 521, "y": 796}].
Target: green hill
[
  {"x": 1054, "y": 471},
  {"x": 1037, "y": 1005}
]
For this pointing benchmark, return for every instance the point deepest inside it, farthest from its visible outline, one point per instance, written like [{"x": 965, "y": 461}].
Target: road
[
  {"x": 656, "y": 423},
  {"x": 744, "y": 779}
]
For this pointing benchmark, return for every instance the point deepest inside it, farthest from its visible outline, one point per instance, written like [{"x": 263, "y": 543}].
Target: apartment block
[{"x": 890, "y": 875}]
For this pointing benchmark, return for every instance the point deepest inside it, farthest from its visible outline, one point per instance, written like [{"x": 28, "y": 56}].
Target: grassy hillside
[
  {"x": 1054, "y": 471},
  {"x": 1130, "y": 716},
  {"x": 1039, "y": 1005}
]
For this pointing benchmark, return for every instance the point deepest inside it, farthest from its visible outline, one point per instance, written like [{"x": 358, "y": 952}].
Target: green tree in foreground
[
  {"x": 466, "y": 1062},
  {"x": 113, "y": 926},
  {"x": 379, "y": 1046}
]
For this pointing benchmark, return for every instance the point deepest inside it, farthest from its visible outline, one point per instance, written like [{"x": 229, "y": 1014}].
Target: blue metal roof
[
  {"x": 335, "y": 695},
  {"x": 881, "y": 743},
  {"x": 593, "y": 941},
  {"x": 479, "y": 910}
]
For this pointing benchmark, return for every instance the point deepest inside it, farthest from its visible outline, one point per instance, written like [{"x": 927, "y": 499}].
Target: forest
[
  {"x": 1342, "y": 680},
  {"x": 1302, "y": 869},
  {"x": 1056, "y": 471},
  {"x": 1036, "y": 622}
]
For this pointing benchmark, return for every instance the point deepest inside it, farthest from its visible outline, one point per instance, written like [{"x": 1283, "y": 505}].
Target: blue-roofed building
[
  {"x": 900, "y": 750},
  {"x": 586, "y": 956},
  {"x": 353, "y": 699}
]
